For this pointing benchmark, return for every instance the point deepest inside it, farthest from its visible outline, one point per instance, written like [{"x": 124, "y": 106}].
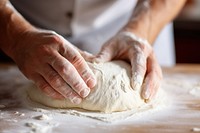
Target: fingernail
[
  {"x": 76, "y": 100},
  {"x": 85, "y": 92},
  {"x": 146, "y": 93},
  {"x": 91, "y": 83},
  {"x": 146, "y": 100}
]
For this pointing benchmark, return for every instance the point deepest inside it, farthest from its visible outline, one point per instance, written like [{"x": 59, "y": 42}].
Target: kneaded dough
[{"x": 112, "y": 93}]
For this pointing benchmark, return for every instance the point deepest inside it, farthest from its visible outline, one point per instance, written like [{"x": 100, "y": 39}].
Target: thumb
[
  {"x": 87, "y": 56},
  {"x": 106, "y": 54}
]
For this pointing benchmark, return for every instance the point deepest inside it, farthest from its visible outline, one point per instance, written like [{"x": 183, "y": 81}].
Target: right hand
[
  {"x": 146, "y": 72},
  {"x": 54, "y": 64}
]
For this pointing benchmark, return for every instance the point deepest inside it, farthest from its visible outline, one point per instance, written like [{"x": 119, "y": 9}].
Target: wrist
[
  {"x": 138, "y": 28},
  {"x": 15, "y": 40},
  {"x": 134, "y": 37},
  {"x": 13, "y": 26}
]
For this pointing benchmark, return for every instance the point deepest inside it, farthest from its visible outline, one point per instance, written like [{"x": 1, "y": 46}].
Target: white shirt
[{"x": 88, "y": 23}]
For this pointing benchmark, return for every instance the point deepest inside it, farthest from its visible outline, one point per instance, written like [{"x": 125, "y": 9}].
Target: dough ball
[{"x": 112, "y": 93}]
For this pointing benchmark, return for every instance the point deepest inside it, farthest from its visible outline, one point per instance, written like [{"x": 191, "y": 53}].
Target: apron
[{"x": 88, "y": 24}]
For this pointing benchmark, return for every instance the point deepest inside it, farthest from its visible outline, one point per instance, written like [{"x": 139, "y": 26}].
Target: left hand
[{"x": 146, "y": 72}]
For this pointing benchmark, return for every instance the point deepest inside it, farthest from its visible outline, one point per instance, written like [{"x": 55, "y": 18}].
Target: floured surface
[
  {"x": 180, "y": 83},
  {"x": 110, "y": 100},
  {"x": 159, "y": 104}
]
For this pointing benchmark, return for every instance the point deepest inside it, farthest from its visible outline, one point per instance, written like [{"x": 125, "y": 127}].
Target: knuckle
[
  {"x": 77, "y": 60},
  {"x": 55, "y": 39},
  {"x": 142, "y": 47},
  {"x": 53, "y": 94},
  {"x": 58, "y": 41},
  {"x": 135, "y": 49},
  {"x": 65, "y": 69},
  {"x": 43, "y": 86},
  {"x": 54, "y": 42},
  {"x": 57, "y": 83},
  {"x": 138, "y": 47},
  {"x": 52, "y": 32},
  {"x": 88, "y": 77},
  {"x": 54, "y": 79},
  {"x": 44, "y": 50},
  {"x": 68, "y": 93},
  {"x": 46, "y": 89},
  {"x": 85, "y": 74},
  {"x": 78, "y": 86},
  {"x": 51, "y": 75}
]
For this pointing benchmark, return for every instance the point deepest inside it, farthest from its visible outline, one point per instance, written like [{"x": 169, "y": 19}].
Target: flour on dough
[
  {"x": 195, "y": 91},
  {"x": 112, "y": 93}
]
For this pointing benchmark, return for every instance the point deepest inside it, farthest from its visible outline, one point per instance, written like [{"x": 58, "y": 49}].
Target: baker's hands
[
  {"x": 54, "y": 64},
  {"x": 146, "y": 72}
]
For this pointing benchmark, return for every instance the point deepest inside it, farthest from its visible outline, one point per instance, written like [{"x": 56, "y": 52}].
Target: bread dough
[{"x": 112, "y": 93}]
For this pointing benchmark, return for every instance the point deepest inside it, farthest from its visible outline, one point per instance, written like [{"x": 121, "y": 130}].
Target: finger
[
  {"x": 71, "y": 53},
  {"x": 46, "y": 88},
  {"x": 138, "y": 63},
  {"x": 86, "y": 55},
  {"x": 150, "y": 87},
  {"x": 153, "y": 79},
  {"x": 57, "y": 83},
  {"x": 106, "y": 53},
  {"x": 80, "y": 65},
  {"x": 70, "y": 75}
]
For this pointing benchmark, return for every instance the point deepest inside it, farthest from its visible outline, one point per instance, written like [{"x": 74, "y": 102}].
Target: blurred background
[{"x": 186, "y": 34}]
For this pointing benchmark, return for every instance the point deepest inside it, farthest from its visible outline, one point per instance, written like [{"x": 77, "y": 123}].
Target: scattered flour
[
  {"x": 42, "y": 117},
  {"x": 111, "y": 100},
  {"x": 195, "y": 129},
  {"x": 195, "y": 91},
  {"x": 38, "y": 128}
]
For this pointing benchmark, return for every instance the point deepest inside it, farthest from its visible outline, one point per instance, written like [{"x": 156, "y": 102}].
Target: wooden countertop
[{"x": 182, "y": 117}]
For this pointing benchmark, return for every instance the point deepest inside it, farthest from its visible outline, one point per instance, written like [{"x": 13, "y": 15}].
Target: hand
[
  {"x": 54, "y": 64},
  {"x": 145, "y": 68}
]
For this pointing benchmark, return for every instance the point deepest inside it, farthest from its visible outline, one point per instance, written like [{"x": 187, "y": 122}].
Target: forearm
[
  {"x": 150, "y": 16},
  {"x": 13, "y": 25}
]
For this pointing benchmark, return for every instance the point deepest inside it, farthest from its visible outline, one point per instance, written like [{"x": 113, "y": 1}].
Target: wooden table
[{"x": 181, "y": 82}]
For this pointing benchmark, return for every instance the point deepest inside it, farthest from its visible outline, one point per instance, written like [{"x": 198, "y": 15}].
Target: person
[{"x": 58, "y": 67}]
